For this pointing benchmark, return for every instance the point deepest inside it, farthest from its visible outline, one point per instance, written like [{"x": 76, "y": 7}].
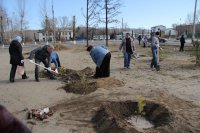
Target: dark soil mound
[
  {"x": 69, "y": 75},
  {"x": 81, "y": 82},
  {"x": 81, "y": 88},
  {"x": 111, "y": 117},
  {"x": 78, "y": 81}
]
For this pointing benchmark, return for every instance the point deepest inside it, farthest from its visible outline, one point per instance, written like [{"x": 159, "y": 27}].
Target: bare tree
[
  {"x": 21, "y": 11},
  {"x": 111, "y": 9},
  {"x": 62, "y": 27},
  {"x": 189, "y": 18},
  {"x": 45, "y": 19},
  {"x": 3, "y": 18},
  {"x": 91, "y": 17}
]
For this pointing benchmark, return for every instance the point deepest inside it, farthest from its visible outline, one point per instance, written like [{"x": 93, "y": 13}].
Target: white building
[
  {"x": 65, "y": 36},
  {"x": 171, "y": 32},
  {"x": 100, "y": 37},
  {"x": 158, "y": 28}
]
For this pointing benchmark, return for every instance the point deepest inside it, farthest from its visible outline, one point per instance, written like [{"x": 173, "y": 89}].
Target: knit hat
[{"x": 18, "y": 38}]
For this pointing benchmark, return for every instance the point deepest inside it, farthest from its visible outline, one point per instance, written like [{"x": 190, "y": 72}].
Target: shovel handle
[{"x": 42, "y": 66}]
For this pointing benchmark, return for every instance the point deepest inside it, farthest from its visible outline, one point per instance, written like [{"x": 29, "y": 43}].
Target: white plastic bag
[{"x": 20, "y": 70}]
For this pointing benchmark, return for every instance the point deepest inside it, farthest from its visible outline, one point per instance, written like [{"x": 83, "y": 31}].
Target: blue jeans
[
  {"x": 127, "y": 59},
  {"x": 155, "y": 56}
]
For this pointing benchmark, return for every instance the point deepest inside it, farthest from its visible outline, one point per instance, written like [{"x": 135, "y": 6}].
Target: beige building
[{"x": 187, "y": 30}]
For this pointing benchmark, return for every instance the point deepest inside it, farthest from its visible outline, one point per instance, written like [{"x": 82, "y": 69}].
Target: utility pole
[
  {"x": 194, "y": 19},
  {"x": 74, "y": 29}
]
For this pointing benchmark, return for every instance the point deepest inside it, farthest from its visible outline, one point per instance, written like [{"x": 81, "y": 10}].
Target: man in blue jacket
[
  {"x": 101, "y": 57},
  {"x": 55, "y": 59}
]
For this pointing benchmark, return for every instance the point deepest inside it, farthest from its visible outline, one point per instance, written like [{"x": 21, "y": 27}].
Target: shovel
[{"x": 43, "y": 67}]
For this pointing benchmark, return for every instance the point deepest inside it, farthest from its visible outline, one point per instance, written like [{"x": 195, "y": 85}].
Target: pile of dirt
[
  {"x": 81, "y": 82},
  {"x": 78, "y": 81},
  {"x": 70, "y": 75},
  {"x": 81, "y": 87},
  {"x": 112, "y": 117}
]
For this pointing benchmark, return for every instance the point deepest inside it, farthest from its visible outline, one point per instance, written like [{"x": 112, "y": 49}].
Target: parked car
[
  {"x": 161, "y": 40},
  {"x": 178, "y": 38}
]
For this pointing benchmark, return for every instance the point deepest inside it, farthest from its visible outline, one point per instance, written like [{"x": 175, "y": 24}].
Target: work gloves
[
  {"x": 56, "y": 70},
  {"x": 21, "y": 63},
  {"x": 49, "y": 68}
]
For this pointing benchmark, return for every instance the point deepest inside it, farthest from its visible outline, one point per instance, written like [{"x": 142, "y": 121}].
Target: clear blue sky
[{"x": 136, "y": 13}]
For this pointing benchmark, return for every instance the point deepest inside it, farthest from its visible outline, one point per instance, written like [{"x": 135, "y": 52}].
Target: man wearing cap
[
  {"x": 16, "y": 57},
  {"x": 42, "y": 54}
]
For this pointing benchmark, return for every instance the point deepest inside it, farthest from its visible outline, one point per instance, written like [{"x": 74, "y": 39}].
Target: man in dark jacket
[
  {"x": 42, "y": 54},
  {"x": 182, "y": 41},
  {"x": 16, "y": 57}
]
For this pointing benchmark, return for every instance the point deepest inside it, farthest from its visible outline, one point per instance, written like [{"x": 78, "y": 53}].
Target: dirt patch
[
  {"x": 70, "y": 75},
  {"x": 81, "y": 82},
  {"x": 109, "y": 82},
  {"x": 81, "y": 87},
  {"x": 59, "y": 47},
  {"x": 113, "y": 116}
]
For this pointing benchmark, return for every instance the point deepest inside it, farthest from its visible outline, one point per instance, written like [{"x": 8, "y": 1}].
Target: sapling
[
  {"x": 84, "y": 81},
  {"x": 141, "y": 105},
  {"x": 61, "y": 69}
]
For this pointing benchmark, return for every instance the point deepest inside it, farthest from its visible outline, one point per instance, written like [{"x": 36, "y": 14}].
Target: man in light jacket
[
  {"x": 154, "y": 48},
  {"x": 127, "y": 47},
  {"x": 101, "y": 57}
]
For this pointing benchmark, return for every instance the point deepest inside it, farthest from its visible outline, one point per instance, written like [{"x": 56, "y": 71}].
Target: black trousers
[
  {"x": 182, "y": 47},
  {"x": 13, "y": 72},
  {"x": 104, "y": 70}
]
